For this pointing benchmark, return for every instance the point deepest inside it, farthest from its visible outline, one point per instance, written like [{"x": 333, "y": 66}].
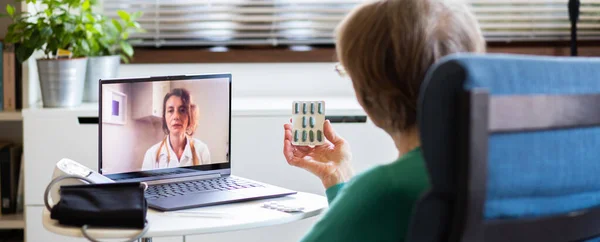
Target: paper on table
[{"x": 200, "y": 214}]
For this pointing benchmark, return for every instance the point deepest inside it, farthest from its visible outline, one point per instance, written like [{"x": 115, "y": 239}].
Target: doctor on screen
[{"x": 178, "y": 148}]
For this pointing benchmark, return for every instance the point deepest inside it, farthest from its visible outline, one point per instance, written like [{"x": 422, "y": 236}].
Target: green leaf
[
  {"x": 124, "y": 15},
  {"x": 125, "y": 35},
  {"x": 117, "y": 25},
  {"x": 90, "y": 17},
  {"x": 23, "y": 53},
  {"x": 137, "y": 15},
  {"x": 28, "y": 33},
  {"x": 94, "y": 47},
  {"x": 45, "y": 33},
  {"x": 10, "y": 10},
  {"x": 36, "y": 39},
  {"x": 11, "y": 27},
  {"x": 98, "y": 29},
  {"x": 69, "y": 28},
  {"x": 10, "y": 37},
  {"x": 134, "y": 25},
  {"x": 86, "y": 5},
  {"x": 126, "y": 47},
  {"x": 71, "y": 3},
  {"x": 64, "y": 42},
  {"x": 124, "y": 59},
  {"x": 85, "y": 46}
]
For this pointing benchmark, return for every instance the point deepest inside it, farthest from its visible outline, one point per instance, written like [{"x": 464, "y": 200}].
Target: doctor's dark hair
[{"x": 191, "y": 109}]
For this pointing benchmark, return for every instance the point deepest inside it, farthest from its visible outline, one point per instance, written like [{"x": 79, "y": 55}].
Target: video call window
[{"x": 164, "y": 124}]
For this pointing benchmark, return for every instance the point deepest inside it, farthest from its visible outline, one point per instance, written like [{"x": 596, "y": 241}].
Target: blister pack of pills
[
  {"x": 307, "y": 123},
  {"x": 288, "y": 208}
]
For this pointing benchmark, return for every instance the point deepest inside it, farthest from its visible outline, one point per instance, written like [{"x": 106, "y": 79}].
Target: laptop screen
[{"x": 164, "y": 125}]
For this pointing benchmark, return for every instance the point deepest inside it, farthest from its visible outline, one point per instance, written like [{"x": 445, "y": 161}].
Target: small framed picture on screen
[{"x": 114, "y": 107}]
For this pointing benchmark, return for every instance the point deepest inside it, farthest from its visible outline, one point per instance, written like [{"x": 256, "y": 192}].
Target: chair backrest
[{"x": 512, "y": 147}]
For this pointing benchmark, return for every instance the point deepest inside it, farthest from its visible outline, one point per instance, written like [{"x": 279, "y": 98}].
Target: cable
[
  {"x": 60, "y": 178},
  {"x": 137, "y": 237},
  {"x": 574, "y": 6}
]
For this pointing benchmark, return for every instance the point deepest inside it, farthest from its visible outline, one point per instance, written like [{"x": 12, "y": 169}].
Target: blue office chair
[{"x": 512, "y": 147}]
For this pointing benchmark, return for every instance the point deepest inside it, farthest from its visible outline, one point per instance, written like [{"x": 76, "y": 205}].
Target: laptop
[{"x": 174, "y": 133}]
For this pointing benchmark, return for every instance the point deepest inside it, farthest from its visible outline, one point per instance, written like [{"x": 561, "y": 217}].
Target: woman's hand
[{"x": 330, "y": 161}]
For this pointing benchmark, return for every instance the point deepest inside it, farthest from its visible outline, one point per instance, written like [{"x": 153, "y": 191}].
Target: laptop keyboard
[{"x": 197, "y": 186}]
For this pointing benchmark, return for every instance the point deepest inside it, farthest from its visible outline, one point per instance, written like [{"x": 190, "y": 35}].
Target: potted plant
[
  {"x": 107, "y": 48},
  {"x": 59, "y": 31}
]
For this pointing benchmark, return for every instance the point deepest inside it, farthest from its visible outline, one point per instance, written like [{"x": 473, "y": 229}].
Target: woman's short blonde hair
[{"x": 387, "y": 46}]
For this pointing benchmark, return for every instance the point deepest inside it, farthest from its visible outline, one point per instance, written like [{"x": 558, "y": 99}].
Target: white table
[{"x": 212, "y": 219}]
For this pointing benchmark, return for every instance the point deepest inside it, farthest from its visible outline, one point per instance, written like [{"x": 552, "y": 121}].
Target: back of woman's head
[{"x": 387, "y": 46}]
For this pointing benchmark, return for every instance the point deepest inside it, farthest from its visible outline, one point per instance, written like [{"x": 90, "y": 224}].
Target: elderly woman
[{"x": 386, "y": 48}]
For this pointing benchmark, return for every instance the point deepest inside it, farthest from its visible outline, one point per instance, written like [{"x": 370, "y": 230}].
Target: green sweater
[{"x": 375, "y": 205}]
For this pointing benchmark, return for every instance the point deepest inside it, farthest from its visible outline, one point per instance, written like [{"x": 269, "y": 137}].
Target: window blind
[{"x": 310, "y": 22}]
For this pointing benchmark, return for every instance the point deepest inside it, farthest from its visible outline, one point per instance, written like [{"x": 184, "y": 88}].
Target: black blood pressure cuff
[{"x": 117, "y": 205}]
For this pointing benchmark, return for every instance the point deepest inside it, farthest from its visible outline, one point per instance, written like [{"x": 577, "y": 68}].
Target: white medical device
[{"x": 68, "y": 167}]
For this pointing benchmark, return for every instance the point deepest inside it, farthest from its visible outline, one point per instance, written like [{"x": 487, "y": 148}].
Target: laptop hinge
[{"x": 182, "y": 179}]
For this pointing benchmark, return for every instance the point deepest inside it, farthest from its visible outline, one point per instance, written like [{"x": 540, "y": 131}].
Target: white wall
[
  {"x": 211, "y": 97},
  {"x": 260, "y": 79},
  {"x": 118, "y": 139}
]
